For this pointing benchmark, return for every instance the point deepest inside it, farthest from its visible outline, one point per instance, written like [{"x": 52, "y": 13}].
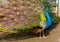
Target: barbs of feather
[{"x": 4, "y": 1}]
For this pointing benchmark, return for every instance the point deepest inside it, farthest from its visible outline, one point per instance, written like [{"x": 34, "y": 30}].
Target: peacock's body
[{"x": 45, "y": 21}]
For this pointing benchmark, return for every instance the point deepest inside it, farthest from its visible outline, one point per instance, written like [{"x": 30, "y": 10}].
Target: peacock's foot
[
  {"x": 40, "y": 37},
  {"x": 44, "y": 36}
]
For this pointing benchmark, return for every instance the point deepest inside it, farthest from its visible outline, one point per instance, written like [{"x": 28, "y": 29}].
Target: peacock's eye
[
  {"x": 7, "y": 10},
  {"x": 21, "y": 18},
  {"x": 21, "y": 1},
  {"x": 25, "y": 12},
  {"x": 18, "y": 13},
  {"x": 11, "y": 16},
  {"x": 5, "y": 18},
  {"x": 22, "y": 7},
  {"x": 14, "y": 2},
  {"x": 15, "y": 20},
  {"x": 1, "y": 13},
  {"x": 15, "y": 8},
  {"x": 33, "y": 4}
]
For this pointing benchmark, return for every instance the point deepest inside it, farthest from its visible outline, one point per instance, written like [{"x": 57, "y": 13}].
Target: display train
[{"x": 23, "y": 15}]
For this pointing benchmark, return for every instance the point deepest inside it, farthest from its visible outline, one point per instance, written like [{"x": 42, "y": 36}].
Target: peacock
[
  {"x": 22, "y": 15},
  {"x": 42, "y": 23},
  {"x": 45, "y": 21}
]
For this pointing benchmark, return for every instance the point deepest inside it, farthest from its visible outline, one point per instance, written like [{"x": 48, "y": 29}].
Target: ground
[{"x": 52, "y": 36}]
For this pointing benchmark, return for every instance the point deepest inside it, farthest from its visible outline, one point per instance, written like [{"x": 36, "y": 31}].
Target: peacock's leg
[
  {"x": 43, "y": 34},
  {"x": 40, "y": 35}
]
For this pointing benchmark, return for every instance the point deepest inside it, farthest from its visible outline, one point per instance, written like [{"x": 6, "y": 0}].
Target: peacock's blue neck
[{"x": 48, "y": 19}]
